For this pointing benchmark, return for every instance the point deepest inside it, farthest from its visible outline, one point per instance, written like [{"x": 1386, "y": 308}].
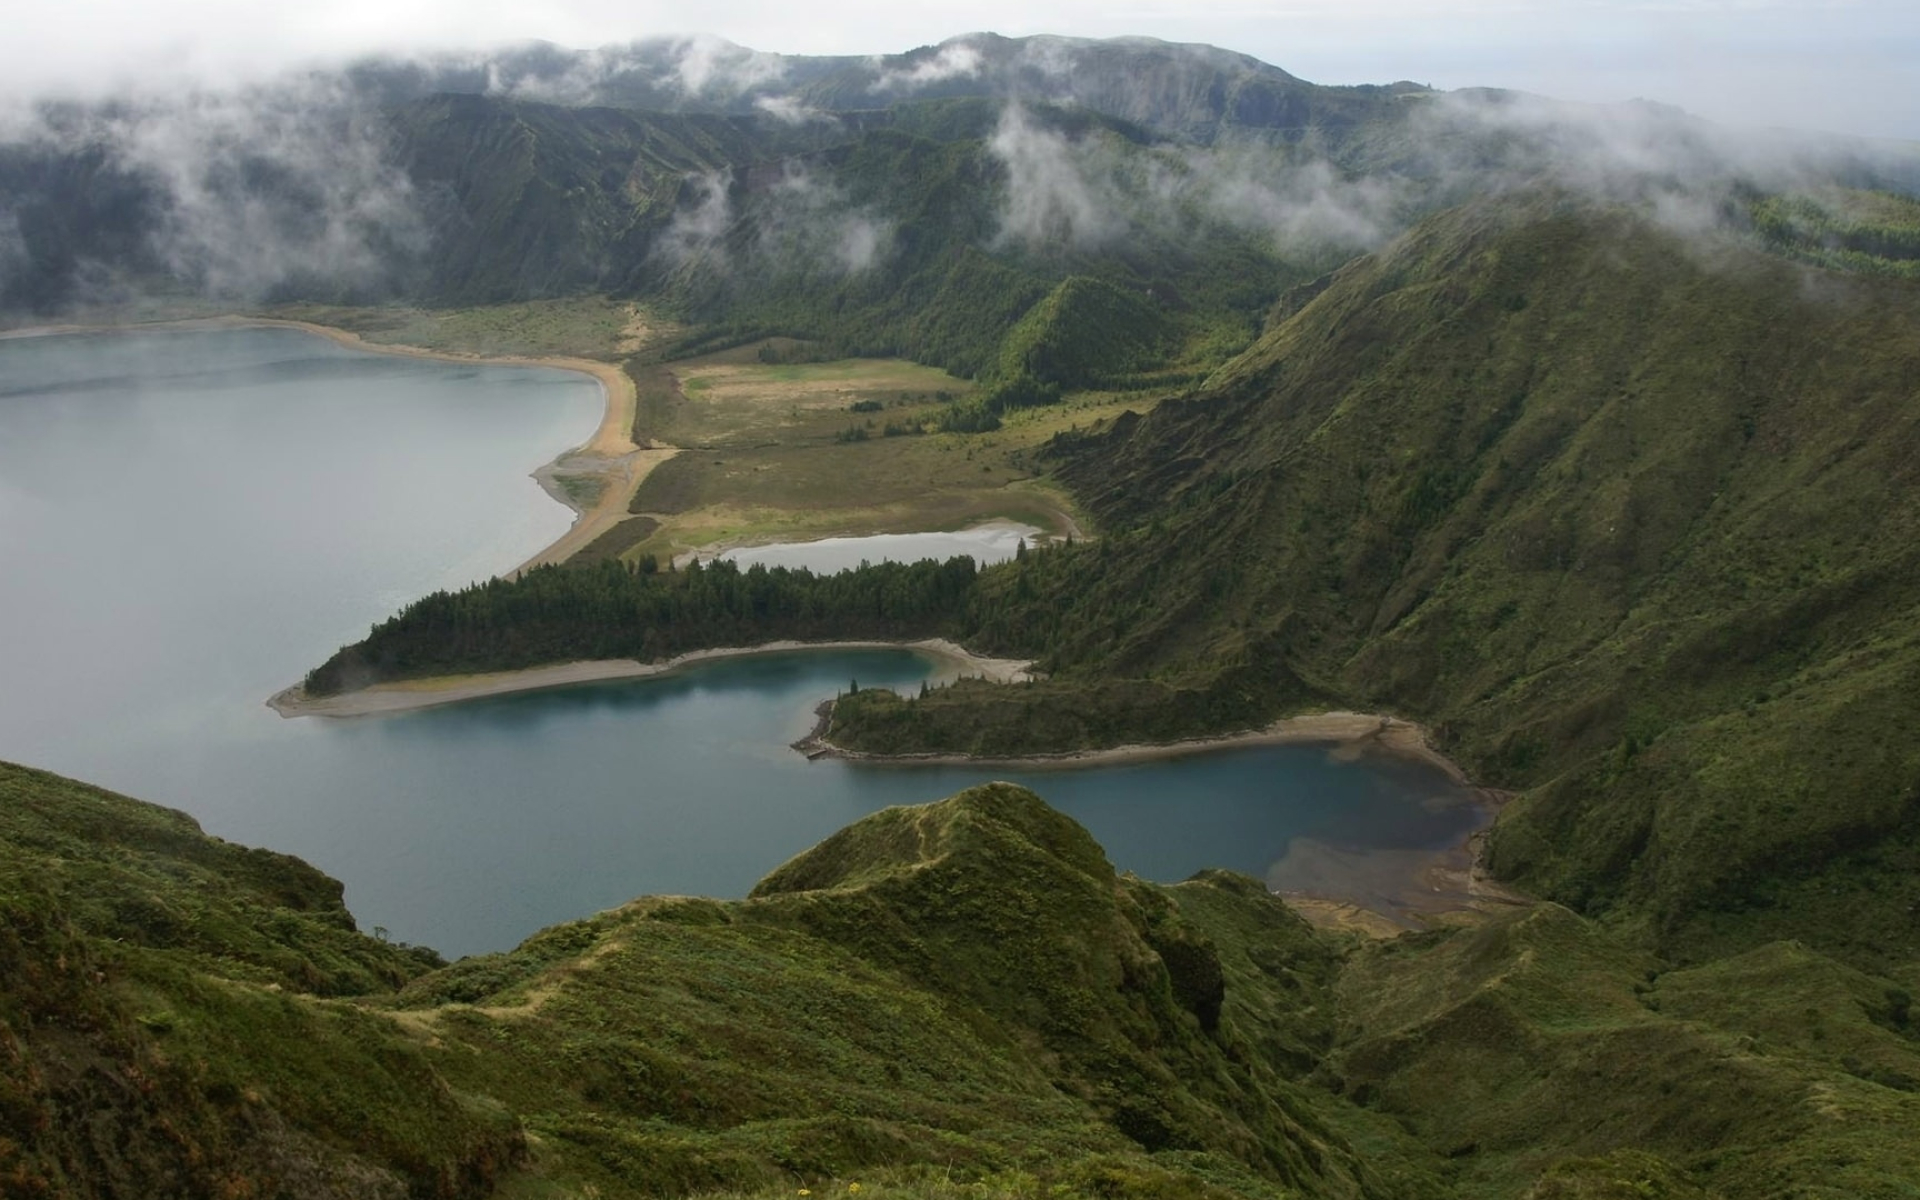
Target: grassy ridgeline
[{"x": 958, "y": 1000}]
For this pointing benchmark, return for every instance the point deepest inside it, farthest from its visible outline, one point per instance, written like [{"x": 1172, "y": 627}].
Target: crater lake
[{"x": 189, "y": 520}]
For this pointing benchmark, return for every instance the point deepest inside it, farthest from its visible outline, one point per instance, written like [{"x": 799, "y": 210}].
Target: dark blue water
[{"x": 189, "y": 521}]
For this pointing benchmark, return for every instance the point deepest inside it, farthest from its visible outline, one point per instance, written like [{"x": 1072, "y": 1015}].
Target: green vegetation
[
  {"x": 1655, "y": 577},
  {"x": 1626, "y": 518},
  {"x": 612, "y": 610},
  {"x": 1874, "y": 233},
  {"x": 1084, "y": 333},
  {"x": 1054, "y": 715},
  {"x": 147, "y": 875},
  {"x": 945, "y": 288},
  {"x": 783, "y": 445},
  {"x": 163, "y": 1031},
  {"x": 615, "y": 542},
  {"x": 590, "y": 326},
  {"x": 959, "y": 1001}
]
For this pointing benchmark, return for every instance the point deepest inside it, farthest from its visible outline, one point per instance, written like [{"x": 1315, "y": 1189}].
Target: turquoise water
[{"x": 190, "y": 520}]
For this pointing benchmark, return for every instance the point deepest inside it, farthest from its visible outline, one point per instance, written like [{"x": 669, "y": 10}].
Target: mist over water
[{"x": 191, "y": 520}]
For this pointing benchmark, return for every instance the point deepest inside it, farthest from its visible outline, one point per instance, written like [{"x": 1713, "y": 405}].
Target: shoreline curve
[
  {"x": 610, "y": 454},
  {"x": 410, "y": 695},
  {"x": 1451, "y": 885},
  {"x": 1350, "y": 733},
  {"x": 1441, "y": 886}
]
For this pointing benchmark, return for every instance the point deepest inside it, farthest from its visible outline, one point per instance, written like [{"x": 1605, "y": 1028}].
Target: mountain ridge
[{"x": 937, "y": 1002}]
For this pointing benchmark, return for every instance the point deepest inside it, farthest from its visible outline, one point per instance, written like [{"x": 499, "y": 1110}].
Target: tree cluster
[{"x": 617, "y": 610}]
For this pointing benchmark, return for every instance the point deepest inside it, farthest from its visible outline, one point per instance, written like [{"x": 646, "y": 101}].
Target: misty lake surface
[{"x": 190, "y": 520}]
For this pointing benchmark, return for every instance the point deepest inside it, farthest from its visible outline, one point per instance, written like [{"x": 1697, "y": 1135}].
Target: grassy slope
[
  {"x": 591, "y": 326},
  {"x": 1628, "y": 520},
  {"x": 965, "y": 987},
  {"x": 959, "y": 999},
  {"x": 163, "y": 1031},
  {"x": 1875, "y": 233},
  {"x": 779, "y": 451},
  {"x": 946, "y": 285},
  {"x": 1542, "y": 1038}
]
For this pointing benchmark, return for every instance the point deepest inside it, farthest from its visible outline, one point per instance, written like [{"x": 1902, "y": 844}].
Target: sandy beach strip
[
  {"x": 1347, "y": 733},
  {"x": 1419, "y": 889},
  {"x": 610, "y": 454},
  {"x": 614, "y": 436},
  {"x": 409, "y": 695}
]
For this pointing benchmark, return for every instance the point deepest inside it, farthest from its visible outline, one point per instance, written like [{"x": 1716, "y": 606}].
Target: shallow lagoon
[
  {"x": 994, "y": 542},
  {"x": 190, "y": 520}
]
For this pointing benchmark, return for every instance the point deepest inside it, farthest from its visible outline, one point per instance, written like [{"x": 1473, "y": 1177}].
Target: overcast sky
[{"x": 1845, "y": 65}]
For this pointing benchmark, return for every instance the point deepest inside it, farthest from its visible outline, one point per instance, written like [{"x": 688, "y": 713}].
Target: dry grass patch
[{"x": 796, "y": 451}]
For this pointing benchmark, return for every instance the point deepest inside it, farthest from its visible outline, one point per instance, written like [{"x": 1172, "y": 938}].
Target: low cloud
[
  {"x": 806, "y": 222},
  {"x": 862, "y": 242},
  {"x": 270, "y": 187},
  {"x": 791, "y": 110},
  {"x": 1685, "y": 172},
  {"x": 1083, "y": 193},
  {"x": 955, "y": 60},
  {"x": 584, "y": 80},
  {"x": 1054, "y": 194},
  {"x": 1303, "y": 205},
  {"x": 246, "y": 189},
  {"x": 659, "y": 71},
  {"x": 707, "y": 65},
  {"x": 697, "y": 229}
]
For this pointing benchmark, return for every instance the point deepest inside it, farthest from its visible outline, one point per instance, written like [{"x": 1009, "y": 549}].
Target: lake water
[
  {"x": 189, "y": 521},
  {"x": 995, "y": 542}
]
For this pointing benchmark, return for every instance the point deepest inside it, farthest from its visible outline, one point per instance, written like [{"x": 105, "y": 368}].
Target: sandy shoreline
[
  {"x": 1384, "y": 893},
  {"x": 610, "y": 455},
  {"x": 1349, "y": 733},
  {"x": 409, "y": 695},
  {"x": 1405, "y": 890}
]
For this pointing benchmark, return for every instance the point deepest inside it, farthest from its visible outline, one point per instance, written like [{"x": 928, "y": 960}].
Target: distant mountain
[
  {"x": 1187, "y": 92},
  {"x": 915, "y": 204}
]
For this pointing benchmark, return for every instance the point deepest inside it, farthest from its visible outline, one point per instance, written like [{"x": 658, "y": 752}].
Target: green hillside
[
  {"x": 1843, "y": 229},
  {"x": 920, "y": 187},
  {"x": 956, "y": 1000},
  {"x": 1624, "y": 518}
]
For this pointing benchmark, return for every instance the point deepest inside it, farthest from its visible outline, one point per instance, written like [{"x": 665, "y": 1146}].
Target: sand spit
[
  {"x": 1349, "y": 733},
  {"x": 408, "y": 695}
]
